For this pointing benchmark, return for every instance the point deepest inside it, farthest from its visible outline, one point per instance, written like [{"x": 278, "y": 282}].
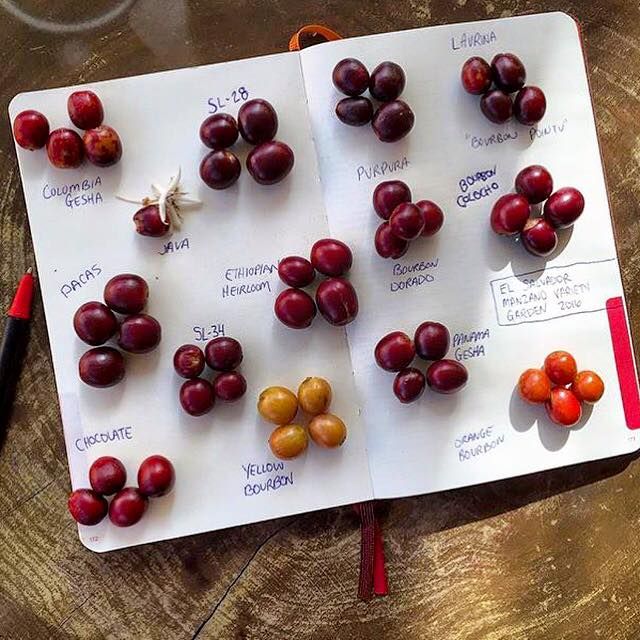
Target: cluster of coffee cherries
[
  {"x": 404, "y": 221},
  {"x": 396, "y": 351},
  {"x": 100, "y": 144},
  {"x": 95, "y": 323},
  {"x": 335, "y": 296},
  {"x": 197, "y": 394},
  {"x": 393, "y": 119},
  {"x": 290, "y": 439},
  {"x": 561, "y": 388},
  {"x": 508, "y": 74},
  {"x": 270, "y": 161},
  {"x": 512, "y": 213},
  {"x": 108, "y": 476}
]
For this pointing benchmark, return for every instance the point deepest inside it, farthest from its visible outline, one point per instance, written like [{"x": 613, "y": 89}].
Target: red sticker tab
[{"x": 625, "y": 364}]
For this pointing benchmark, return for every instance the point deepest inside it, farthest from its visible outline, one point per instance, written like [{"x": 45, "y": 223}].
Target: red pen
[{"x": 14, "y": 340}]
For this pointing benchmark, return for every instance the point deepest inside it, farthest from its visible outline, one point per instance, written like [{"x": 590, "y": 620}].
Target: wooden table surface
[{"x": 551, "y": 555}]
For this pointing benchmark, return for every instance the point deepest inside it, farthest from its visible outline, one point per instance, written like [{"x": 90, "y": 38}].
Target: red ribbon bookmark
[
  {"x": 312, "y": 31},
  {"x": 373, "y": 576}
]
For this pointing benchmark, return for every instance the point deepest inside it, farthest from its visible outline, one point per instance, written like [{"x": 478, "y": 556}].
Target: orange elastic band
[{"x": 312, "y": 29}]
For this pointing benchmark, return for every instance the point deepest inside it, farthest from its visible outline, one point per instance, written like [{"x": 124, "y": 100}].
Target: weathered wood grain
[{"x": 549, "y": 556}]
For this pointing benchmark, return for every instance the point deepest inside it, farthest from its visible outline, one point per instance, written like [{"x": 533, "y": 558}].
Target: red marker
[{"x": 14, "y": 340}]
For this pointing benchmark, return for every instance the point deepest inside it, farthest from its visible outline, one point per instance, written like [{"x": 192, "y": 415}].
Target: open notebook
[{"x": 218, "y": 275}]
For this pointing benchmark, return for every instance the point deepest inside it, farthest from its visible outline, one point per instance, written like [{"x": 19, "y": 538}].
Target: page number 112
[{"x": 221, "y": 102}]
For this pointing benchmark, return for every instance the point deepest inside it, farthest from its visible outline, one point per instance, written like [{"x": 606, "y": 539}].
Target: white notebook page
[
  {"x": 483, "y": 432},
  {"x": 234, "y": 241}
]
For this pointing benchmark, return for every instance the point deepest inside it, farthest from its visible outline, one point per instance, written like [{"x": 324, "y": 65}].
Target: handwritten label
[
  {"x": 103, "y": 437},
  {"x": 173, "y": 246},
  {"x": 266, "y": 477},
  {"x": 205, "y": 333},
  {"x": 484, "y": 183},
  {"x": 219, "y": 103},
  {"x": 473, "y": 39},
  {"x": 481, "y": 142},
  {"x": 251, "y": 272},
  {"x": 470, "y": 345},
  {"x": 76, "y": 194},
  {"x": 91, "y": 273},
  {"x": 549, "y": 293},
  {"x": 381, "y": 169},
  {"x": 417, "y": 274},
  {"x": 552, "y": 129},
  {"x": 474, "y": 444},
  {"x": 241, "y": 273}
]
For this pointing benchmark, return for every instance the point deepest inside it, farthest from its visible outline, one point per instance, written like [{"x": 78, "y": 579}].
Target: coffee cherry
[
  {"x": 563, "y": 407},
  {"x": 409, "y": 385},
  {"x": 388, "y": 195},
  {"x": 539, "y": 237},
  {"x": 387, "y": 81},
  {"x": 588, "y": 387},
  {"x": 126, "y": 293},
  {"x": 229, "y": 386},
  {"x": 156, "y": 476},
  {"x": 432, "y": 215},
  {"x": 288, "y": 441},
  {"x": 223, "y": 353},
  {"x": 331, "y": 257},
  {"x": 87, "y": 507},
  {"x": 387, "y": 244},
  {"x": 350, "y": 77},
  {"x": 314, "y": 395},
  {"x": 534, "y": 183},
  {"x": 102, "y": 146},
  {"x": 295, "y": 308},
  {"x": 406, "y": 221},
  {"x": 220, "y": 169},
  {"x": 509, "y": 214},
  {"x": 327, "y": 431},
  {"x": 496, "y": 106},
  {"x": 148, "y": 222},
  {"x": 85, "y": 109},
  {"x": 337, "y": 301},
  {"x": 355, "y": 112},
  {"x": 31, "y": 129},
  {"x": 447, "y": 376},
  {"x": 257, "y": 121},
  {"x": 431, "y": 341},
  {"x": 296, "y": 272},
  {"x": 395, "y": 351},
  {"x": 107, "y": 475},
  {"x": 393, "y": 121},
  {"x": 564, "y": 207},
  {"x": 476, "y": 76},
  {"x": 508, "y": 72},
  {"x": 561, "y": 367},
  {"x": 188, "y": 361},
  {"x": 139, "y": 333},
  {"x": 270, "y": 162},
  {"x": 219, "y": 131},
  {"x": 65, "y": 149},
  {"x": 197, "y": 397},
  {"x": 534, "y": 386},
  {"x": 530, "y": 105},
  {"x": 101, "y": 367},
  {"x": 127, "y": 507},
  {"x": 95, "y": 323},
  {"x": 277, "y": 405}
]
